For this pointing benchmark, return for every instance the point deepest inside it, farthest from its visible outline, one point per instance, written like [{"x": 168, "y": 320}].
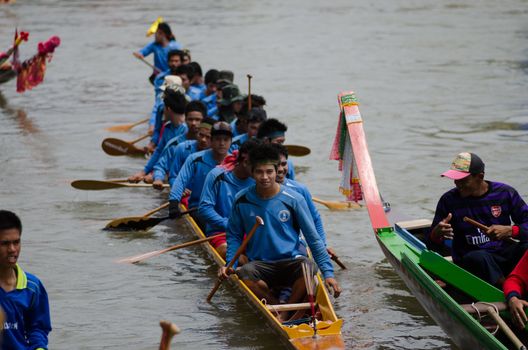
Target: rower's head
[
  {"x": 264, "y": 159},
  {"x": 243, "y": 162},
  {"x": 282, "y": 166},
  {"x": 198, "y": 74},
  {"x": 231, "y": 97},
  {"x": 186, "y": 56},
  {"x": 186, "y": 73},
  {"x": 221, "y": 136},
  {"x": 175, "y": 104},
  {"x": 272, "y": 131},
  {"x": 256, "y": 117},
  {"x": 210, "y": 79},
  {"x": 467, "y": 171},
  {"x": 10, "y": 232},
  {"x": 195, "y": 112},
  {"x": 203, "y": 136},
  {"x": 175, "y": 59},
  {"x": 163, "y": 33}
]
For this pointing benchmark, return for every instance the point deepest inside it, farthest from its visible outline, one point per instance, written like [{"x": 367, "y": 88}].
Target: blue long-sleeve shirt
[
  {"x": 303, "y": 190},
  {"x": 218, "y": 195},
  {"x": 161, "y": 59},
  {"x": 192, "y": 176},
  {"x": 498, "y": 206},
  {"x": 156, "y": 119},
  {"x": 26, "y": 308},
  {"x": 172, "y": 160},
  {"x": 196, "y": 92},
  {"x": 238, "y": 141},
  {"x": 284, "y": 215},
  {"x": 169, "y": 132},
  {"x": 210, "y": 103}
]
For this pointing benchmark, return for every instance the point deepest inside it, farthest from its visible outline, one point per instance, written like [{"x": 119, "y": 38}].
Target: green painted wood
[
  {"x": 446, "y": 303},
  {"x": 459, "y": 278},
  {"x": 397, "y": 245}
]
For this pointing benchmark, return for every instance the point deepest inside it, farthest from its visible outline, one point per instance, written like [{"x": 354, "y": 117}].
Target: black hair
[
  {"x": 263, "y": 154},
  {"x": 257, "y": 115},
  {"x": 9, "y": 220},
  {"x": 209, "y": 120},
  {"x": 247, "y": 146},
  {"x": 175, "y": 101},
  {"x": 186, "y": 69},
  {"x": 283, "y": 151},
  {"x": 197, "y": 68},
  {"x": 257, "y": 101},
  {"x": 270, "y": 126},
  {"x": 196, "y": 106},
  {"x": 174, "y": 53},
  {"x": 166, "y": 29},
  {"x": 211, "y": 76}
]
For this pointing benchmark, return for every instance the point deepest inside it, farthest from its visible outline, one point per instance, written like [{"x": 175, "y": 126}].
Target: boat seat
[
  {"x": 288, "y": 307},
  {"x": 415, "y": 224}
]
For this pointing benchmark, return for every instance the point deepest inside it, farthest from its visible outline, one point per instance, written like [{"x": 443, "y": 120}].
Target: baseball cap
[
  {"x": 464, "y": 165},
  {"x": 221, "y": 128}
]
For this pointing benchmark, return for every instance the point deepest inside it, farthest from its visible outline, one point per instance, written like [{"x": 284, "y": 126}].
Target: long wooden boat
[
  {"x": 301, "y": 336},
  {"x": 447, "y": 292},
  {"x": 6, "y": 75}
]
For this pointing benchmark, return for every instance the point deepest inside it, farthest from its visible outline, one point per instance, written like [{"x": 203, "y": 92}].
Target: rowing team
[{"x": 223, "y": 155}]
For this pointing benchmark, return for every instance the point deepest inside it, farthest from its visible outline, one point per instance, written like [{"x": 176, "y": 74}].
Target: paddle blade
[
  {"x": 117, "y": 147},
  {"x": 297, "y": 151},
  {"x": 94, "y": 185},
  {"x": 138, "y": 223}
]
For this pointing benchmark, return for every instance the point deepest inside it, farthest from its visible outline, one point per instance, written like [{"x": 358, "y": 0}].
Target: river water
[{"x": 434, "y": 78}]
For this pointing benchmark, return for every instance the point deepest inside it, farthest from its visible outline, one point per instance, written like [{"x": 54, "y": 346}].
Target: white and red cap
[{"x": 464, "y": 165}]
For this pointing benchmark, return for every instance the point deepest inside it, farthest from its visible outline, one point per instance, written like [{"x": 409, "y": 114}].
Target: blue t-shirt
[
  {"x": 210, "y": 103},
  {"x": 26, "y": 308},
  {"x": 172, "y": 160},
  {"x": 218, "y": 195},
  {"x": 303, "y": 190},
  {"x": 285, "y": 215},
  {"x": 192, "y": 176},
  {"x": 169, "y": 132},
  {"x": 161, "y": 59},
  {"x": 196, "y": 92},
  {"x": 238, "y": 141},
  {"x": 495, "y": 207}
]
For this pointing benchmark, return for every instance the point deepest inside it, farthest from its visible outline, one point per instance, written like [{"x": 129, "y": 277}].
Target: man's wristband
[{"x": 511, "y": 295}]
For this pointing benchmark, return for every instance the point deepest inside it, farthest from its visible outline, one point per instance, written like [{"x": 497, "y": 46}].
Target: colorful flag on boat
[{"x": 342, "y": 152}]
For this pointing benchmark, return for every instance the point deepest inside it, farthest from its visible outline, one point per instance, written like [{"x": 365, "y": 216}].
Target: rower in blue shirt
[
  {"x": 219, "y": 190},
  {"x": 275, "y": 252},
  {"x": 197, "y": 89},
  {"x": 196, "y": 167},
  {"x": 175, "y": 103},
  {"x": 256, "y": 117},
  {"x": 273, "y": 131},
  {"x": 23, "y": 297},
  {"x": 174, "y": 156},
  {"x": 164, "y": 41}
]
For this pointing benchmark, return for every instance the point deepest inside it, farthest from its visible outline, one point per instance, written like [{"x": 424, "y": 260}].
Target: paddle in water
[
  {"x": 144, "y": 223},
  {"x": 117, "y": 147},
  {"x": 297, "y": 150},
  {"x": 98, "y": 185},
  {"x": 139, "y": 258},
  {"x": 241, "y": 249},
  {"x": 116, "y": 222}
]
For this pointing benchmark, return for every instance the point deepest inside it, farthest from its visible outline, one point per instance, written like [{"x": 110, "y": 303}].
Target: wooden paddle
[
  {"x": 142, "y": 59},
  {"x": 117, "y": 147},
  {"x": 126, "y": 127},
  {"x": 338, "y": 261},
  {"x": 507, "y": 330},
  {"x": 249, "y": 76},
  {"x": 96, "y": 185},
  {"x": 333, "y": 205},
  {"x": 139, "y": 258},
  {"x": 168, "y": 331},
  {"x": 144, "y": 223},
  {"x": 116, "y": 222},
  {"x": 297, "y": 151},
  {"x": 486, "y": 228},
  {"x": 258, "y": 222}
]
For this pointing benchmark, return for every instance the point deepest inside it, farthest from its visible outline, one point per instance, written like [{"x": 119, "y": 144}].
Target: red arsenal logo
[{"x": 496, "y": 211}]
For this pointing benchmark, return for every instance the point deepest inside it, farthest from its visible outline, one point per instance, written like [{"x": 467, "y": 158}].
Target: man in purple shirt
[{"x": 489, "y": 254}]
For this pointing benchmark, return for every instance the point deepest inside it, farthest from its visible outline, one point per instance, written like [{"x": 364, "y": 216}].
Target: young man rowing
[
  {"x": 22, "y": 296},
  {"x": 275, "y": 252},
  {"x": 219, "y": 191}
]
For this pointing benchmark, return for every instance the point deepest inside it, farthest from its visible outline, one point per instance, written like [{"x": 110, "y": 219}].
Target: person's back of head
[
  {"x": 196, "y": 106},
  {"x": 175, "y": 101},
  {"x": 197, "y": 69},
  {"x": 211, "y": 77},
  {"x": 271, "y": 128}
]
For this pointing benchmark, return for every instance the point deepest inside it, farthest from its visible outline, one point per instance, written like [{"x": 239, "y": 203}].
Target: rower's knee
[{"x": 222, "y": 250}]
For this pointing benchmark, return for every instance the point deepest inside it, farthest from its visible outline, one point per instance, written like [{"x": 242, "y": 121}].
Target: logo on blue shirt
[{"x": 284, "y": 215}]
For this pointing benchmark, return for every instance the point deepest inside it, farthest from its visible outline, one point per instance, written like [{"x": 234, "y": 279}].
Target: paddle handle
[
  {"x": 139, "y": 122},
  {"x": 240, "y": 250},
  {"x": 338, "y": 262},
  {"x": 148, "y": 64},
  {"x": 139, "y": 139},
  {"x": 249, "y": 76},
  {"x": 163, "y": 206},
  {"x": 485, "y": 228},
  {"x": 507, "y": 330},
  {"x": 168, "y": 331}
]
